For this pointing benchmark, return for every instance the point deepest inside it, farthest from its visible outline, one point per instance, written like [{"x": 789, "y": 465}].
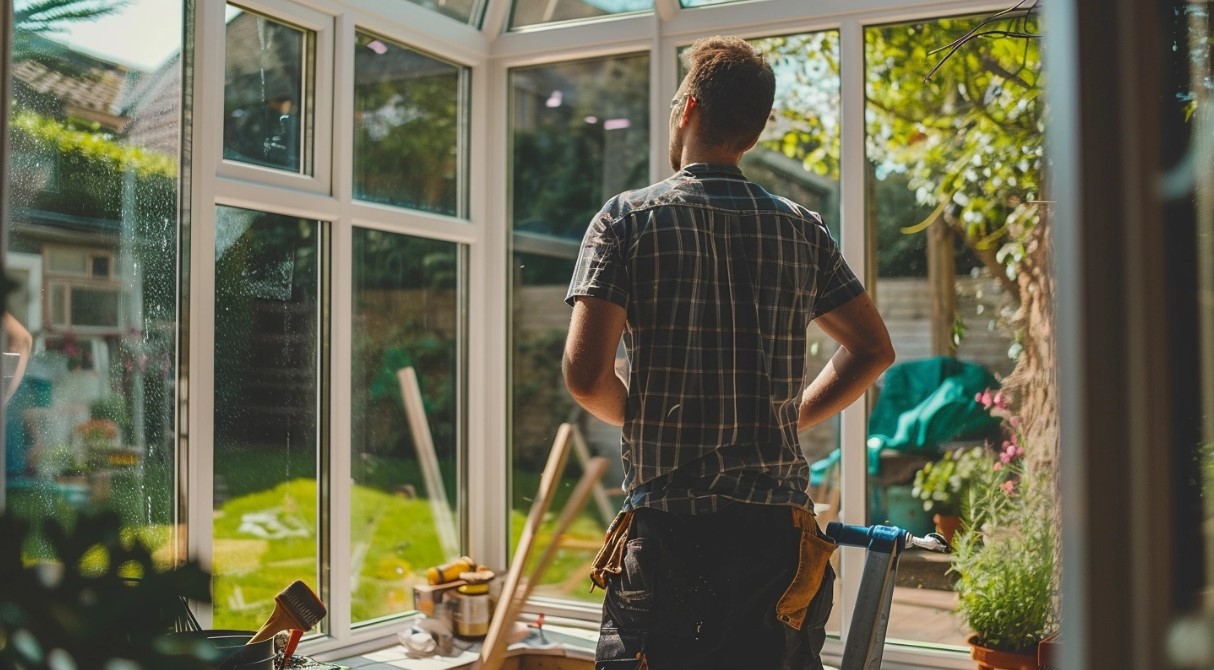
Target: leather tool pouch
[
  {"x": 610, "y": 559},
  {"x": 815, "y": 553}
]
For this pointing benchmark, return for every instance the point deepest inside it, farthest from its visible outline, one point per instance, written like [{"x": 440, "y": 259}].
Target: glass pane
[
  {"x": 409, "y": 125},
  {"x": 66, "y": 261},
  {"x": 267, "y": 367},
  {"x": 94, "y": 307},
  {"x": 267, "y": 93},
  {"x": 534, "y": 12},
  {"x": 580, "y": 134},
  {"x": 798, "y": 157},
  {"x": 91, "y": 394},
  {"x": 408, "y": 325},
  {"x": 464, "y": 11},
  {"x": 953, "y": 172}
]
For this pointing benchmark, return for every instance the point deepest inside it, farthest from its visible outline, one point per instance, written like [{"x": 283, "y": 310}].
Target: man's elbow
[
  {"x": 878, "y": 356},
  {"x": 579, "y": 379},
  {"x": 885, "y": 356}
]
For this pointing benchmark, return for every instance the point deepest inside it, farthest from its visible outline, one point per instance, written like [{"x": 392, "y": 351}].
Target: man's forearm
[{"x": 846, "y": 377}]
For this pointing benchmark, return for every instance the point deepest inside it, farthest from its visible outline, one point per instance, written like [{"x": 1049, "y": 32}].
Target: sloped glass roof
[
  {"x": 535, "y": 12},
  {"x": 464, "y": 11}
]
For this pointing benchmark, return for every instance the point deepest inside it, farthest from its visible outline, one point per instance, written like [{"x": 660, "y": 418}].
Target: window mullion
[
  {"x": 339, "y": 533},
  {"x": 853, "y": 429},
  {"x": 196, "y": 415}
]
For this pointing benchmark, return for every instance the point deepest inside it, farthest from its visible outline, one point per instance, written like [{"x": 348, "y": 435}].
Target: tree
[
  {"x": 967, "y": 131},
  {"x": 35, "y": 20}
]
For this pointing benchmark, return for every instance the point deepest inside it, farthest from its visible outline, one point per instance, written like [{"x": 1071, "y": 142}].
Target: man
[{"x": 716, "y": 560}]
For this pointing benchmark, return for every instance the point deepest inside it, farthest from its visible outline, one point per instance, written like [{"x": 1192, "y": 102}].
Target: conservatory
[{"x": 286, "y": 286}]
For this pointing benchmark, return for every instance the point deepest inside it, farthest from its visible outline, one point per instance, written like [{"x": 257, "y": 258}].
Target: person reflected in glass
[
  {"x": 265, "y": 132},
  {"x": 715, "y": 560},
  {"x": 18, "y": 345}
]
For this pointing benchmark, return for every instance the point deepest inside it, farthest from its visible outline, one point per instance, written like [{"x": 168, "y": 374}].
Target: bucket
[{"x": 234, "y": 652}]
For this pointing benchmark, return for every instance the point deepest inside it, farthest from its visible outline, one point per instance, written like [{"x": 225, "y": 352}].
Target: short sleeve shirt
[{"x": 720, "y": 280}]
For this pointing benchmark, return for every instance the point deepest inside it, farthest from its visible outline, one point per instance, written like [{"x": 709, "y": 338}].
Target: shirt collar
[{"x": 713, "y": 169}]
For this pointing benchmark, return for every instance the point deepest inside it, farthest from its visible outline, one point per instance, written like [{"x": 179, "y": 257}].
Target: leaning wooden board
[{"x": 495, "y": 641}]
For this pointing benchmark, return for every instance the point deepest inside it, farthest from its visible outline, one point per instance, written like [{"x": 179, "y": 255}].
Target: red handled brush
[{"x": 295, "y": 607}]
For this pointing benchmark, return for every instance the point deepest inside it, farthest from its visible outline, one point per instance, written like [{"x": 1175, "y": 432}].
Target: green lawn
[
  {"x": 265, "y": 538},
  {"x": 393, "y": 541}
]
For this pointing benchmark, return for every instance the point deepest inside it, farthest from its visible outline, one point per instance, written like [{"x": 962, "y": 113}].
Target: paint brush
[{"x": 295, "y": 607}]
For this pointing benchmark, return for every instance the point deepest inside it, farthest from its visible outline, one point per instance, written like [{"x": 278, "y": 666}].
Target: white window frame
[
  {"x": 326, "y": 195},
  {"x": 318, "y": 79}
]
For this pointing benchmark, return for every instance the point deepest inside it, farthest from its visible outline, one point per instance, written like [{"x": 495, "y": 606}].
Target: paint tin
[
  {"x": 471, "y": 614},
  {"x": 471, "y": 609}
]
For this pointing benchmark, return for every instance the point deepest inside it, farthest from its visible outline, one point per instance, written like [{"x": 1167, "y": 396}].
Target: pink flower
[
  {"x": 998, "y": 467},
  {"x": 1009, "y": 486},
  {"x": 1000, "y": 400}
]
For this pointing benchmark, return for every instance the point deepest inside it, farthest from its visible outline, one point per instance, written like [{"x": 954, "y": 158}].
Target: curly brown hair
[{"x": 734, "y": 86}]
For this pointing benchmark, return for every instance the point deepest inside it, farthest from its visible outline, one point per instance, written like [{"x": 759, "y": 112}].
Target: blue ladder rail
[{"x": 866, "y": 637}]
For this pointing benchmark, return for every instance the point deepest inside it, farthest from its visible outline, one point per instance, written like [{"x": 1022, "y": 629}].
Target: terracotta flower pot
[
  {"x": 994, "y": 659},
  {"x": 947, "y": 525}
]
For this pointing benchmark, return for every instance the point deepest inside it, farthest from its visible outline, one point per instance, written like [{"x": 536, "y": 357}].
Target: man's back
[{"x": 720, "y": 280}]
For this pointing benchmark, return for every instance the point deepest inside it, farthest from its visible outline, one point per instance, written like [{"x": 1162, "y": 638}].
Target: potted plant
[
  {"x": 1005, "y": 559},
  {"x": 943, "y": 484}
]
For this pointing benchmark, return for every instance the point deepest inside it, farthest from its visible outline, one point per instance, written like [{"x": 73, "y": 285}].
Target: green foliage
[
  {"x": 30, "y": 129},
  {"x": 970, "y": 136},
  {"x": 406, "y": 141},
  {"x": 565, "y": 166},
  {"x": 103, "y": 600},
  {"x": 540, "y": 402},
  {"x": 34, "y": 20},
  {"x": 943, "y": 485},
  {"x": 1005, "y": 560}
]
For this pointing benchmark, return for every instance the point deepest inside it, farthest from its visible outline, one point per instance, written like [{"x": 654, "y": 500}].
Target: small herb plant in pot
[
  {"x": 1005, "y": 559},
  {"x": 943, "y": 485}
]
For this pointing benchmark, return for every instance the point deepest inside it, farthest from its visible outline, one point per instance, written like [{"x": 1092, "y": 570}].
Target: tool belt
[
  {"x": 815, "y": 553},
  {"x": 610, "y": 559}
]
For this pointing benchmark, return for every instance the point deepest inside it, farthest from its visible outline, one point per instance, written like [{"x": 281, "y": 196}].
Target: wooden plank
[
  {"x": 591, "y": 474},
  {"x": 514, "y": 601},
  {"x": 606, "y": 509},
  {"x": 491, "y": 658},
  {"x": 436, "y": 492}
]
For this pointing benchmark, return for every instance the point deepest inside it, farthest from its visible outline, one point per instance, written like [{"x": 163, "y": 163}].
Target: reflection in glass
[
  {"x": 266, "y": 98},
  {"x": 535, "y": 12},
  {"x": 580, "y": 134},
  {"x": 465, "y": 11},
  {"x": 90, "y": 334},
  {"x": 267, "y": 380},
  {"x": 407, "y": 329},
  {"x": 408, "y": 127},
  {"x": 952, "y": 177}
]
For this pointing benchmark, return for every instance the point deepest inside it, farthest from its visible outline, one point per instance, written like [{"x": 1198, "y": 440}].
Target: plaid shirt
[{"x": 720, "y": 280}]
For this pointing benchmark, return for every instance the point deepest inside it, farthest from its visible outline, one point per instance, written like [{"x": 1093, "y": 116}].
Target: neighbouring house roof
[{"x": 96, "y": 92}]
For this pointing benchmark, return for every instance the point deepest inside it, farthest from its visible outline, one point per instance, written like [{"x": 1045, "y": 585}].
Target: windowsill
[
  {"x": 578, "y": 644},
  {"x": 567, "y": 642}
]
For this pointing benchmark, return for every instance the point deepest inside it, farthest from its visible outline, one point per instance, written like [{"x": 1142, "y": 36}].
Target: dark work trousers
[{"x": 699, "y": 593}]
